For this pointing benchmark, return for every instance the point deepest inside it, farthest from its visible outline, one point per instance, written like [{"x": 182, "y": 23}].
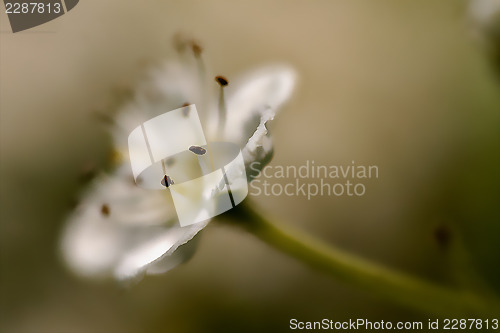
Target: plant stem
[{"x": 387, "y": 283}]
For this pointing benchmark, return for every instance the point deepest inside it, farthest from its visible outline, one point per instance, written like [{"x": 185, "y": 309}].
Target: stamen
[
  {"x": 196, "y": 48},
  {"x": 223, "y": 82},
  {"x": 197, "y": 51},
  {"x": 105, "y": 210},
  {"x": 163, "y": 167}
]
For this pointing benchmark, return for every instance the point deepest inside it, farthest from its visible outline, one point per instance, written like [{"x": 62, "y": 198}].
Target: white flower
[{"x": 122, "y": 230}]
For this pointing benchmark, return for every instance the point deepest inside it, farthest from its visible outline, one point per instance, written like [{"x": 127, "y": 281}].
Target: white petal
[
  {"x": 259, "y": 149},
  {"x": 182, "y": 253},
  {"x": 141, "y": 227},
  {"x": 165, "y": 88},
  {"x": 254, "y": 94},
  {"x": 158, "y": 247}
]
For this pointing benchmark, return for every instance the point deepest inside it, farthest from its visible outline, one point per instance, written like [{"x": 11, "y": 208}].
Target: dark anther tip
[
  {"x": 198, "y": 150},
  {"x": 105, "y": 211},
  {"x": 221, "y": 80}
]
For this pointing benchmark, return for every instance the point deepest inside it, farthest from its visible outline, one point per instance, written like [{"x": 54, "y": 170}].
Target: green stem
[{"x": 390, "y": 284}]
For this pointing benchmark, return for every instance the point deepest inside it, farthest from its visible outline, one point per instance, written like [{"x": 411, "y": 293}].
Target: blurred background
[{"x": 404, "y": 85}]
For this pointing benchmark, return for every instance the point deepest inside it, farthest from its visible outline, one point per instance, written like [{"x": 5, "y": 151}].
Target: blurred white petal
[
  {"x": 252, "y": 95},
  {"x": 156, "y": 251},
  {"x": 139, "y": 227},
  {"x": 166, "y": 87},
  {"x": 259, "y": 149}
]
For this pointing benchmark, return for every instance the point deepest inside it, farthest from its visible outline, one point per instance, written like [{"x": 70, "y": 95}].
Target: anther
[
  {"x": 221, "y": 80},
  {"x": 196, "y": 48},
  {"x": 105, "y": 211}
]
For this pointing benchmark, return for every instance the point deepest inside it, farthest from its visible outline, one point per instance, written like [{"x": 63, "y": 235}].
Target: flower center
[{"x": 223, "y": 82}]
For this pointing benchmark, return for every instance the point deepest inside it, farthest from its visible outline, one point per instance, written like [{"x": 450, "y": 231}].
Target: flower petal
[
  {"x": 165, "y": 88},
  {"x": 253, "y": 95},
  {"x": 137, "y": 228},
  {"x": 253, "y": 101},
  {"x": 160, "y": 251},
  {"x": 259, "y": 149},
  {"x": 170, "y": 260}
]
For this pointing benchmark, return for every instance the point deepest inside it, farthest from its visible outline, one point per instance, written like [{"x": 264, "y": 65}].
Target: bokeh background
[{"x": 405, "y": 85}]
